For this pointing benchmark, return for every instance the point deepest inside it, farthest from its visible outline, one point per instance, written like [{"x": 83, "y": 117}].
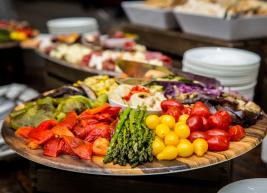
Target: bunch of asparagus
[{"x": 132, "y": 141}]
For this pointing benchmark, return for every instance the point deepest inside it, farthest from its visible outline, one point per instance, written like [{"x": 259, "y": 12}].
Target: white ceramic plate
[
  {"x": 220, "y": 56},
  {"x": 256, "y": 185}
]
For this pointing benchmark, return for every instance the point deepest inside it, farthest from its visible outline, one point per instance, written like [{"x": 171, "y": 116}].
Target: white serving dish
[
  {"x": 264, "y": 150},
  {"x": 256, "y": 185},
  {"x": 247, "y": 90},
  {"x": 139, "y": 13},
  {"x": 214, "y": 27},
  {"x": 222, "y": 57},
  {"x": 72, "y": 25}
]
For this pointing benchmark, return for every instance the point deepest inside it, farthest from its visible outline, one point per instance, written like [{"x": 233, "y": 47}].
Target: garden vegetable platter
[{"x": 93, "y": 137}]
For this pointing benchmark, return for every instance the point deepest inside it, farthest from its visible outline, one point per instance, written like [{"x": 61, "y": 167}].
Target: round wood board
[{"x": 254, "y": 136}]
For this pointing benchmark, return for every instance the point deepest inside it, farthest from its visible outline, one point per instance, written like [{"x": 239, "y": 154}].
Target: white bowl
[
  {"x": 236, "y": 29},
  {"x": 222, "y": 57},
  {"x": 139, "y": 13},
  {"x": 256, "y": 185}
]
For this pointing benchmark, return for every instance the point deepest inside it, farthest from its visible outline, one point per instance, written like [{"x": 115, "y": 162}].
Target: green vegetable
[
  {"x": 132, "y": 141},
  {"x": 47, "y": 108}
]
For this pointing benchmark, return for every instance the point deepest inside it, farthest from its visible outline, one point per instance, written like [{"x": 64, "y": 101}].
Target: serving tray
[{"x": 254, "y": 137}]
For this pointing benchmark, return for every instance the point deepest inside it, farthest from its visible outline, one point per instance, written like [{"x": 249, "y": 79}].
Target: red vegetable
[
  {"x": 195, "y": 123},
  {"x": 70, "y": 120},
  {"x": 45, "y": 125},
  {"x": 196, "y": 135},
  {"x": 81, "y": 148},
  {"x": 218, "y": 143},
  {"x": 200, "y": 109},
  {"x": 52, "y": 147},
  {"x": 236, "y": 133},
  {"x": 206, "y": 125},
  {"x": 98, "y": 130},
  {"x": 220, "y": 119},
  {"x": 134, "y": 90},
  {"x": 171, "y": 103},
  {"x": 218, "y": 132},
  {"x": 89, "y": 112},
  {"x": 24, "y": 131},
  {"x": 173, "y": 111}
]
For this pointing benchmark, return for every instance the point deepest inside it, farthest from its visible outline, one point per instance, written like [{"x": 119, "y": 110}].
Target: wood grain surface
[{"x": 254, "y": 136}]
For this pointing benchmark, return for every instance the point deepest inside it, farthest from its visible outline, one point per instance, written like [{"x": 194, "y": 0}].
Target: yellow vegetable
[
  {"x": 168, "y": 153},
  {"x": 167, "y": 120},
  {"x": 18, "y": 36},
  {"x": 183, "y": 118},
  {"x": 152, "y": 121},
  {"x": 157, "y": 146},
  {"x": 185, "y": 148},
  {"x": 182, "y": 130},
  {"x": 171, "y": 139},
  {"x": 200, "y": 146},
  {"x": 162, "y": 130}
]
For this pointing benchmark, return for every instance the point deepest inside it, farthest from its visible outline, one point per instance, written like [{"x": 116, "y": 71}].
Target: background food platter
[
  {"x": 71, "y": 71},
  {"x": 254, "y": 136}
]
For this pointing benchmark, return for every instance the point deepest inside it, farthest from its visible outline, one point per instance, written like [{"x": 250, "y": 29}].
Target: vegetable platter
[{"x": 157, "y": 126}]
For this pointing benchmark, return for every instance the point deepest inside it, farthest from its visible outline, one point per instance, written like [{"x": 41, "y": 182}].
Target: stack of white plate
[
  {"x": 72, "y": 25},
  {"x": 236, "y": 69}
]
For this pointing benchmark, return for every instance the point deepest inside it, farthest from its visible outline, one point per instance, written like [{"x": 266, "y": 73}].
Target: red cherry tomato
[
  {"x": 194, "y": 123},
  {"x": 166, "y": 104},
  {"x": 196, "y": 135},
  {"x": 218, "y": 143},
  {"x": 205, "y": 124},
  {"x": 200, "y": 109},
  {"x": 173, "y": 111},
  {"x": 221, "y": 120},
  {"x": 218, "y": 132},
  {"x": 236, "y": 133}
]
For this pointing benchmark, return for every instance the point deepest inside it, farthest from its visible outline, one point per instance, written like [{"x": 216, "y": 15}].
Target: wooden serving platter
[{"x": 254, "y": 136}]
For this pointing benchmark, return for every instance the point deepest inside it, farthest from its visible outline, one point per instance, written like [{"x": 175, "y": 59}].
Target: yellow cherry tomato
[
  {"x": 152, "y": 121},
  {"x": 169, "y": 153},
  {"x": 162, "y": 130},
  {"x": 171, "y": 139},
  {"x": 200, "y": 146},
  {"x": 167, "y": 120},
  {"x": 182, "y": 130},
  {"x": 157, "y": 146},
  {"x": 185, "y": 148},
  {"x": 183, "y": 118}
]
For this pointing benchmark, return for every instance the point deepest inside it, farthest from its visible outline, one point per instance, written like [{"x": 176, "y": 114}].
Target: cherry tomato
[
  {"x": 196, "y": 135},
  {"x": 200, "y": 109},
  {"x": 205, "y": 124},
  {"x": 218, "y": 143},
  {"x": 194, "y": 123},
  {"x": 218, "y": 132},
  {"x": 236, "y": 133},
  {"x": 221, "y": 120},
  {"x": 166, "y": 104},
  {"x": 173, "y": 111}
]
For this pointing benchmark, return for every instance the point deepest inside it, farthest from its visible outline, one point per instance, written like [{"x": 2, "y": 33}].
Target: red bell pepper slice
[
  {"x": 24, "y": 131},
  {"x": 45, "y": 125},
  {"x": 94, "y": 111},
  {"x": 98, "y": 130},
  {"x": 60, "y": 131},
  {"x": 52, "y": 147},
  {"x": 70, "y": 120},
  {"x": 81, "y": 148}
]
